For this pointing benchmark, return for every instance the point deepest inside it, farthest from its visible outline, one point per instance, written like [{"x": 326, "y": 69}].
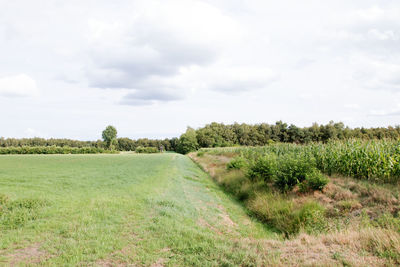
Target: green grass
[{"x": 121, "y": 209}]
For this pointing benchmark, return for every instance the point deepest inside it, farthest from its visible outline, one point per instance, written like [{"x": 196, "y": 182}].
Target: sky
[{"x": 153, "y": 67}]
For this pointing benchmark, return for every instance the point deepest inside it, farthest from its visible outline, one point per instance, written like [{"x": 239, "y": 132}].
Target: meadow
[{"x": 125, "y": 209}]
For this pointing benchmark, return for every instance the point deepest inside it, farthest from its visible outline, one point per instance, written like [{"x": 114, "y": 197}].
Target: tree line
[
  {"x": 121, "y": 144},
  {"x": 220, "y": 135}
]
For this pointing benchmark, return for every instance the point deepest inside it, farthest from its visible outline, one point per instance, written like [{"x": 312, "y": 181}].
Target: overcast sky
[{"x": 151, "y": 68}]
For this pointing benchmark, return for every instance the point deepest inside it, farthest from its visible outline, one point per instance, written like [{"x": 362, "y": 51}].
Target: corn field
[{"x": 377, "y": 160}]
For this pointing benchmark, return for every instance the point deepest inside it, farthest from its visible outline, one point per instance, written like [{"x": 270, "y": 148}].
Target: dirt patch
[
  {"x": 205, "y": 224},
  {"x": 112, "y": 259},
  {"x": 226, "y": 220},
  {"x": 110, "y": 263},
  {"x": 165, "y": 250},
  {"x": 159, "y": 263},
  {"x": 223, "y": 159},
  {"x": 29, "y": 255}
]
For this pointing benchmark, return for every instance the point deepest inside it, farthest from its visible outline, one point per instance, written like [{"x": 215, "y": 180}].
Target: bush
[
  {"x": 263, "y": 168},
  {"x": 292, "y": 169},
  {"x": 236, "y": 163},
  {"x": 141, "y": 149},
  {"x": 314, "y": 181}
]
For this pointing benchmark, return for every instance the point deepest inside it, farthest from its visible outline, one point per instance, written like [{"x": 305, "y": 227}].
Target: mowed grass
[{"x": 105, "y": 210}]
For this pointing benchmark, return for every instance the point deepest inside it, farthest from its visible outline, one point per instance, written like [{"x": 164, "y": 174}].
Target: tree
[
  {"x": 187, "y": 142},
  {"x": 110, "y": 136}
]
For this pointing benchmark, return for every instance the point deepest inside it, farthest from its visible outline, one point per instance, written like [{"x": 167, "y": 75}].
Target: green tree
[
  {"x": 187, "y": 142},
  {"x": 110, "y": 136}
]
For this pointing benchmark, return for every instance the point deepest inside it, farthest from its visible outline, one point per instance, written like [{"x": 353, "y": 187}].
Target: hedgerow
[
  {"x": 53, "y": 150},
  {"x": 141, "y": 149}
]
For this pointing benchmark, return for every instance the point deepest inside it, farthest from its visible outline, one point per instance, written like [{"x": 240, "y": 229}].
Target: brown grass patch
[
  {"x": 203, "y": 223},
  {"x": 27, "y": 256},
  {"x": 159, "y": 263},
  {"x": 352, "y": 248}
]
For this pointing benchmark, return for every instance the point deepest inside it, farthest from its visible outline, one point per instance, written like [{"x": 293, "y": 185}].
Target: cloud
[
  {"x": 150, "y": 50},
  {"x": 368, "y": 39},
  {"x": 384, "y": 113},
  {"x": 353, "y": 106},
  {"x": 30, "y": 132},
  {"x": 377, "y": 73},
  {"x": 228, "y": 79},
  {"x": 373, "y": 29},
  {"x": 20, "y": 85},
  {"x": 149, "y": 97}
]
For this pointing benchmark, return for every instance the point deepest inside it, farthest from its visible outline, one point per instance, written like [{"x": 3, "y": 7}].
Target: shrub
[
  {"x": 236, "y": 163},
  {"x": 263, "y": 168},
  {"x": 317, "y": 181},
  {"x": 141, "y": 149},
  {"x": 314, "y": 181},
  {"x": 292, "y": 169}
]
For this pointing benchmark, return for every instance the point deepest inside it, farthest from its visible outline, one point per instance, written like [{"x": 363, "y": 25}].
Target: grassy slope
[{"x": 118, "y": 209}]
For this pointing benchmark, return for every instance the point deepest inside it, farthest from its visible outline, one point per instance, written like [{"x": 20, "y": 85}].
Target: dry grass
[
  {"x": 28, "y": 256},
  {"x": 366, "y": 247}
]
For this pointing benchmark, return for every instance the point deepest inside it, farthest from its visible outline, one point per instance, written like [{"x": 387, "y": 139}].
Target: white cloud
[
  {"x": 20, "y": 85},
  {"x": 367, "y": 28},
  {"x": 353, "y": 106},
  {"x": 229, "y": 79},
  {"x": 30, "y": 133},
  {"x": 376, "y": 74},
  {"x": 149, "y": 51}
]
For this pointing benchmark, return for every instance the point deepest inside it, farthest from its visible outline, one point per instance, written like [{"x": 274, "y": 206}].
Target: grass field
[{"x": 110, "y": 210}]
